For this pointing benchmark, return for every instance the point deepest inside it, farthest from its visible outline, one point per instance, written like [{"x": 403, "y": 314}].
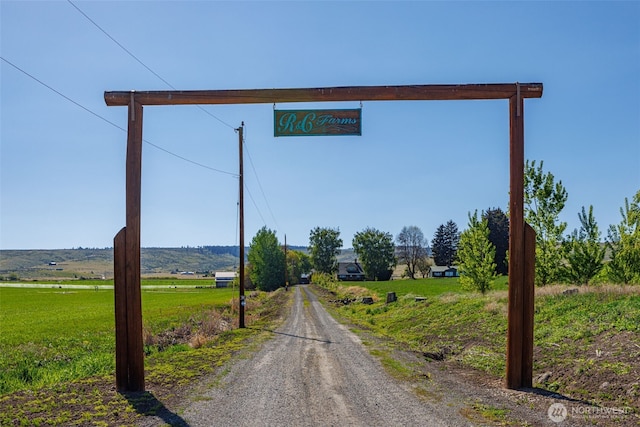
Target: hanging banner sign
[{"x": 317, "y": 122}]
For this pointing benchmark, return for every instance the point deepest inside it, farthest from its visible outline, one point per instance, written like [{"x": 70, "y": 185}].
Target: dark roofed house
[
  {"x": 350, "y": 271},
  {"x": 443, "y": 271}
]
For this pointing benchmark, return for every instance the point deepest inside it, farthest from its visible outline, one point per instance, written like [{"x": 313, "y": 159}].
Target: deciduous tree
[
  {"x": 267, "y": 260},
  {"x": 324, "y": 247},
  {"x": 376, "y": 252},
  {"x": 544, "y": 199},
  {"x": 585, "y": 252},
  {"x": 476, "y": 254},
  {"x": 424, "y": 266},
  {"x": 411, "y": 247},
  {"x": 298, "y": 263},
  {"x": 623, "y": 240}
]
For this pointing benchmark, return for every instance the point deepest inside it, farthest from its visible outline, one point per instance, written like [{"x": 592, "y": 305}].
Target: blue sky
[{"x": 416, "y": 163}]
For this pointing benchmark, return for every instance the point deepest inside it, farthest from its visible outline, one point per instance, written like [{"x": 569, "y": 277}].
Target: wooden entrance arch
[{"x": 129, "y": 347}]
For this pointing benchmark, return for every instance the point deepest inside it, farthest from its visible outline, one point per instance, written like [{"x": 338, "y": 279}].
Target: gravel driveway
[{"x": 314, "y": 372}]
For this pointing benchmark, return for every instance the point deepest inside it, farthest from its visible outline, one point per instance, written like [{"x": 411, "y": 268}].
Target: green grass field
[
  {"x": 424, "y": 287},
  {"x": 53, "y": 335}
]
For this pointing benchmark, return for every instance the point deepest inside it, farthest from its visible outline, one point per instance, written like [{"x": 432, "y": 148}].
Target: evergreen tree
[
  {"x": 498, "y": 224},
  {"x": 376, "y": 252},
  {"x": 585, "y": 253},
  {"x": 476, "y": 254},
  {"x": 324, "y": 247},
  {"x": 411, "y": 247},
  {"x": 444, "y": 245},
  {"x": 438, "y": 246},
  {"x": 452, "y": 236},
  {"x": 544, "y": 199},
  {"x": 267, "y": 260},
  {"x": 624, "y": 243}
]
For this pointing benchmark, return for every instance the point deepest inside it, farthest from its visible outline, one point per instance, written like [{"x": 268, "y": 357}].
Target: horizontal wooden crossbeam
[{"x": 347, "y": 93}]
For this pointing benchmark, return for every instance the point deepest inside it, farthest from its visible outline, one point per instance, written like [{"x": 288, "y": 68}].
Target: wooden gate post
[
  {"x": 129, "y": 346},
  {"x": 521, "y": 259}
]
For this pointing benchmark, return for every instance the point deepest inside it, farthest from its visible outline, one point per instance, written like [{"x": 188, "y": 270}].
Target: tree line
[{"x": 480, "y": 251}]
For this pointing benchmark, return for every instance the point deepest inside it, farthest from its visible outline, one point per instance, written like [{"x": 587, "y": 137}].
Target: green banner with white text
[{"x": 317, "y": 122}]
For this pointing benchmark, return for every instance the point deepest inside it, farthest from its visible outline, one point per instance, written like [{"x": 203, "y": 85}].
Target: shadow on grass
[
  {"x": 145, "y": 403},
  {"x": 554, "y": 395}
]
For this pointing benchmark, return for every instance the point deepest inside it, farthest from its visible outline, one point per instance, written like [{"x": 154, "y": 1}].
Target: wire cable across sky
[
  {"x": 128, "y": 52},
  {"x": 31, "y": 76}
]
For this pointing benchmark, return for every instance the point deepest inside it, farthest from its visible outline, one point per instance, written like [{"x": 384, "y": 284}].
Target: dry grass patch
[
  {"x": 553, "y": 290},
  {"x": 359, "y": 292},
  {"x": 449, "y": 298},
  {"x": 496, "y": 307}
]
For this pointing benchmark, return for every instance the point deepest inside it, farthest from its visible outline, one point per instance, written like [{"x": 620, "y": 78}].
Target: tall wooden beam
[
  {"x": 135, "y": 350},
  {"x": 345, "y": 93},
  {"x": 516, "y": 242}
]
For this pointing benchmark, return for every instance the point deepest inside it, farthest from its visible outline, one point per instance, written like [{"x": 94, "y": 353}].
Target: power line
[
  {"x": 112, "y": 123},
  {"x": 260, "y": 185},
  {"x": 199, "y": 106},
  {"x": 60, "y": 93},
  {"x": 247, "y": 188},
  {"x": 255, "y": 205},
  {"x": 140, "y": 61},
  {"x": 121, "y": 46}
]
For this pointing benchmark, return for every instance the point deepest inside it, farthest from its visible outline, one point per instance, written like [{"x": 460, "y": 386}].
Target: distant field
[
  {"x": 98, "y": 263},
  {"x": 52, "y": 335},
  {"x": 146, "y": 282}
]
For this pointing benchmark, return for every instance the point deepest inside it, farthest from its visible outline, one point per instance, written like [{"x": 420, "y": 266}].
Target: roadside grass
[
  {"x": 481, "y": 414},
  {"x": 586, "y": 345},
  {"x": 53, "y": 335},
  {"x": 44, "y": 369},
  {"x": 426, "y": 287}
]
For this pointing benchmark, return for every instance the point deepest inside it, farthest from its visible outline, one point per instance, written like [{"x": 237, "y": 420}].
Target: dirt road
[{"x": 315, "y": 372}]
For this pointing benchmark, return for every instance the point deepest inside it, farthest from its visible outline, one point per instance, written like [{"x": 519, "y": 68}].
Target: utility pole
[
  {"x": 241, "y": 213},
  {"x": 286, "y": 267}
]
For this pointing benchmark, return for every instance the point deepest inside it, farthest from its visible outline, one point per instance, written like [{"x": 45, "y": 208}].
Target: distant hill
[
  {"x": 98, "y": 263},
  {"x": 90, "y": 263}
]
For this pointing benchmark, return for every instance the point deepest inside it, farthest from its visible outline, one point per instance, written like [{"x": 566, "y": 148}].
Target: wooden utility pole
[
  {"x": 241, "y": 301},
  {"x": 521, "y": 236}
]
